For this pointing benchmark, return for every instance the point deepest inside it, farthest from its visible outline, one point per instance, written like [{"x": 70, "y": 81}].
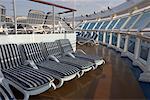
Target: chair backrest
[
  {"x": 52, "y": 48},
  {"x": 65, "y": 45},
  {"x": 10, "y": 56},
  {"x": 33, "y": 51}
]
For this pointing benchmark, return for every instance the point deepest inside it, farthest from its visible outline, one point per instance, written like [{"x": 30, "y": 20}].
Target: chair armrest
[
  {"x": 80, "y": 51},
  {"x": 51, "y": 57},
  {"x": 1, "y": 76},
  {"x": 31, "y": 63}
]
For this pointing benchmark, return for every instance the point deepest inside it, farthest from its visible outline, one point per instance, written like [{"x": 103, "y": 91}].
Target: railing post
[
  {"x": 118, "y": 40},
  {"x": 110, "y": 39},
  {"x": 104, "y": 37},
  {"x": 125, "y": 46},
  {"x": 136, "y": 51}
]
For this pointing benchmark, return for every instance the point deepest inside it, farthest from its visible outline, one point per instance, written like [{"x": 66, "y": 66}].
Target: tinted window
[
  {"x": 120, "y": 23},
  {"x": 142, "y": 21},
  {"x": 131, "y": 21}
]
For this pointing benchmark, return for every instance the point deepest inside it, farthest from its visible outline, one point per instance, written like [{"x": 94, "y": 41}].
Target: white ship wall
[{"x": 37, "y": 38}]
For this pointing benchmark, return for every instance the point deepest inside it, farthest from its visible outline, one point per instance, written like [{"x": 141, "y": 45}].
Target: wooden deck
[{"x": 116, "y": 81}]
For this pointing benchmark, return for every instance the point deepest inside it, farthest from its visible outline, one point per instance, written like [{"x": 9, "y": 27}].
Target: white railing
[{"x": 135, "y": 57}]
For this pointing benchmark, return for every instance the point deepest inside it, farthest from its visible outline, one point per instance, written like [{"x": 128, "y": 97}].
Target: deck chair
[
  {"x": 5, "y": 93},
  {"x": 26, "y": 79},
  {"x": 53, "y": 49},
  {"x": 88, "y": 39},
  {"x": 62, "y": 72},
  {"x": 67, "y": 48}
]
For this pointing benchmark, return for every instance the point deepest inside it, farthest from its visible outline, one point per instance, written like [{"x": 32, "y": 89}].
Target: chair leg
[
  {"x": 26, "y": 96},
  {"x": 5, "y": 84}
]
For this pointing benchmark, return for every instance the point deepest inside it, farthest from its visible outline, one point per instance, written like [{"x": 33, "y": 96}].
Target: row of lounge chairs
[
  {"x": 86, "y": 38},
  {"x": 33, "y": 68}
]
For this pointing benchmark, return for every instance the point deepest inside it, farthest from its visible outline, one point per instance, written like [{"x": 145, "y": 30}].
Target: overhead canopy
[{"x": 55, "y": 5}]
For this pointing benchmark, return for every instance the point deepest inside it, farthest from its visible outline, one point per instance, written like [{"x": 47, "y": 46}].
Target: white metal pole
[
  {"x": 73, "y": 21},
  {"x": 53, "y": 19},
  {"x": 14, "y": 11}
]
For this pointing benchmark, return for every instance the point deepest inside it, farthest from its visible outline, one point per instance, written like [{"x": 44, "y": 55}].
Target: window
[
  {"x": 142, "y": 21},
  {"x": 122, "y": 42},
  {"x": 105, "y": 24},
  {"x": 100, "y": 36},
  {"x": 92, "y": 25},
  {"x": 85, "y": 25},
  {"x": 131, "y": 44},
  {"x": 114, "y": 39},
  {"x": 148, "y": 25},
  {"x": 145, "y": 46},
  {"x": 107, "y": 37},
  {"x": 112, "y": 24},
  {"x": 131, "y": 21},
  {"x": 98, "y": 25},
  {"x": 120, "y": 23}
]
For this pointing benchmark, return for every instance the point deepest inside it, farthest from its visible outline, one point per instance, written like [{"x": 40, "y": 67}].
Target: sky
[{"x": 83, "y": 7}]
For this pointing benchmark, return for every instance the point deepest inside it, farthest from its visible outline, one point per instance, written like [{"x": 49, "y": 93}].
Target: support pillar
[{"x": 14, "y": 11}]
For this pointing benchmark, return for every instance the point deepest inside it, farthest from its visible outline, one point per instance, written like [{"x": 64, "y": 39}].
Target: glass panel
[
  {"x": 98, "y": 25},
  {"x": 122, "y": 42},
  {"x": 107, "y": 37},
  {"x": 143, "y": 19},
  {"x": 148, "y": 25},
  {"x": 85, "y": 25},
  {"x": 131, "y": 21},
  {"x": 114, "y": 39},
  {"x": 105, "y": 24},
  {"x": 112, "y": 24},
  {"x": 145, "y": 46},
  {"x": 80, "y": 25},
  {"x": 100, "y": 36},
  {"x": 131, "y": 44},
  {"x": 92, "y": 25},
  {"x": 120, "y": 23}
]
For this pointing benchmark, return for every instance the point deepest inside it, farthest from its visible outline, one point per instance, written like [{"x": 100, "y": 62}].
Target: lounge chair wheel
[
  {"x": 53, "y": 86},
  {"x": 81, "y": 73},
  {"x": 61, "y": 82},
  {"x": 78, "y": 75}
]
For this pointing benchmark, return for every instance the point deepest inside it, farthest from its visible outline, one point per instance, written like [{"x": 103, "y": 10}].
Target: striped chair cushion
[
  {"x": 66, "y": 45},
  {"x": 33, "y": 52},
  {"x": 82, "y": 64},
  {"x": 52, "y": 48},
  {"x": 9, "y": 56},
  {"x": 59, "y": 68},
  {"x": 28, "y": 78}
]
